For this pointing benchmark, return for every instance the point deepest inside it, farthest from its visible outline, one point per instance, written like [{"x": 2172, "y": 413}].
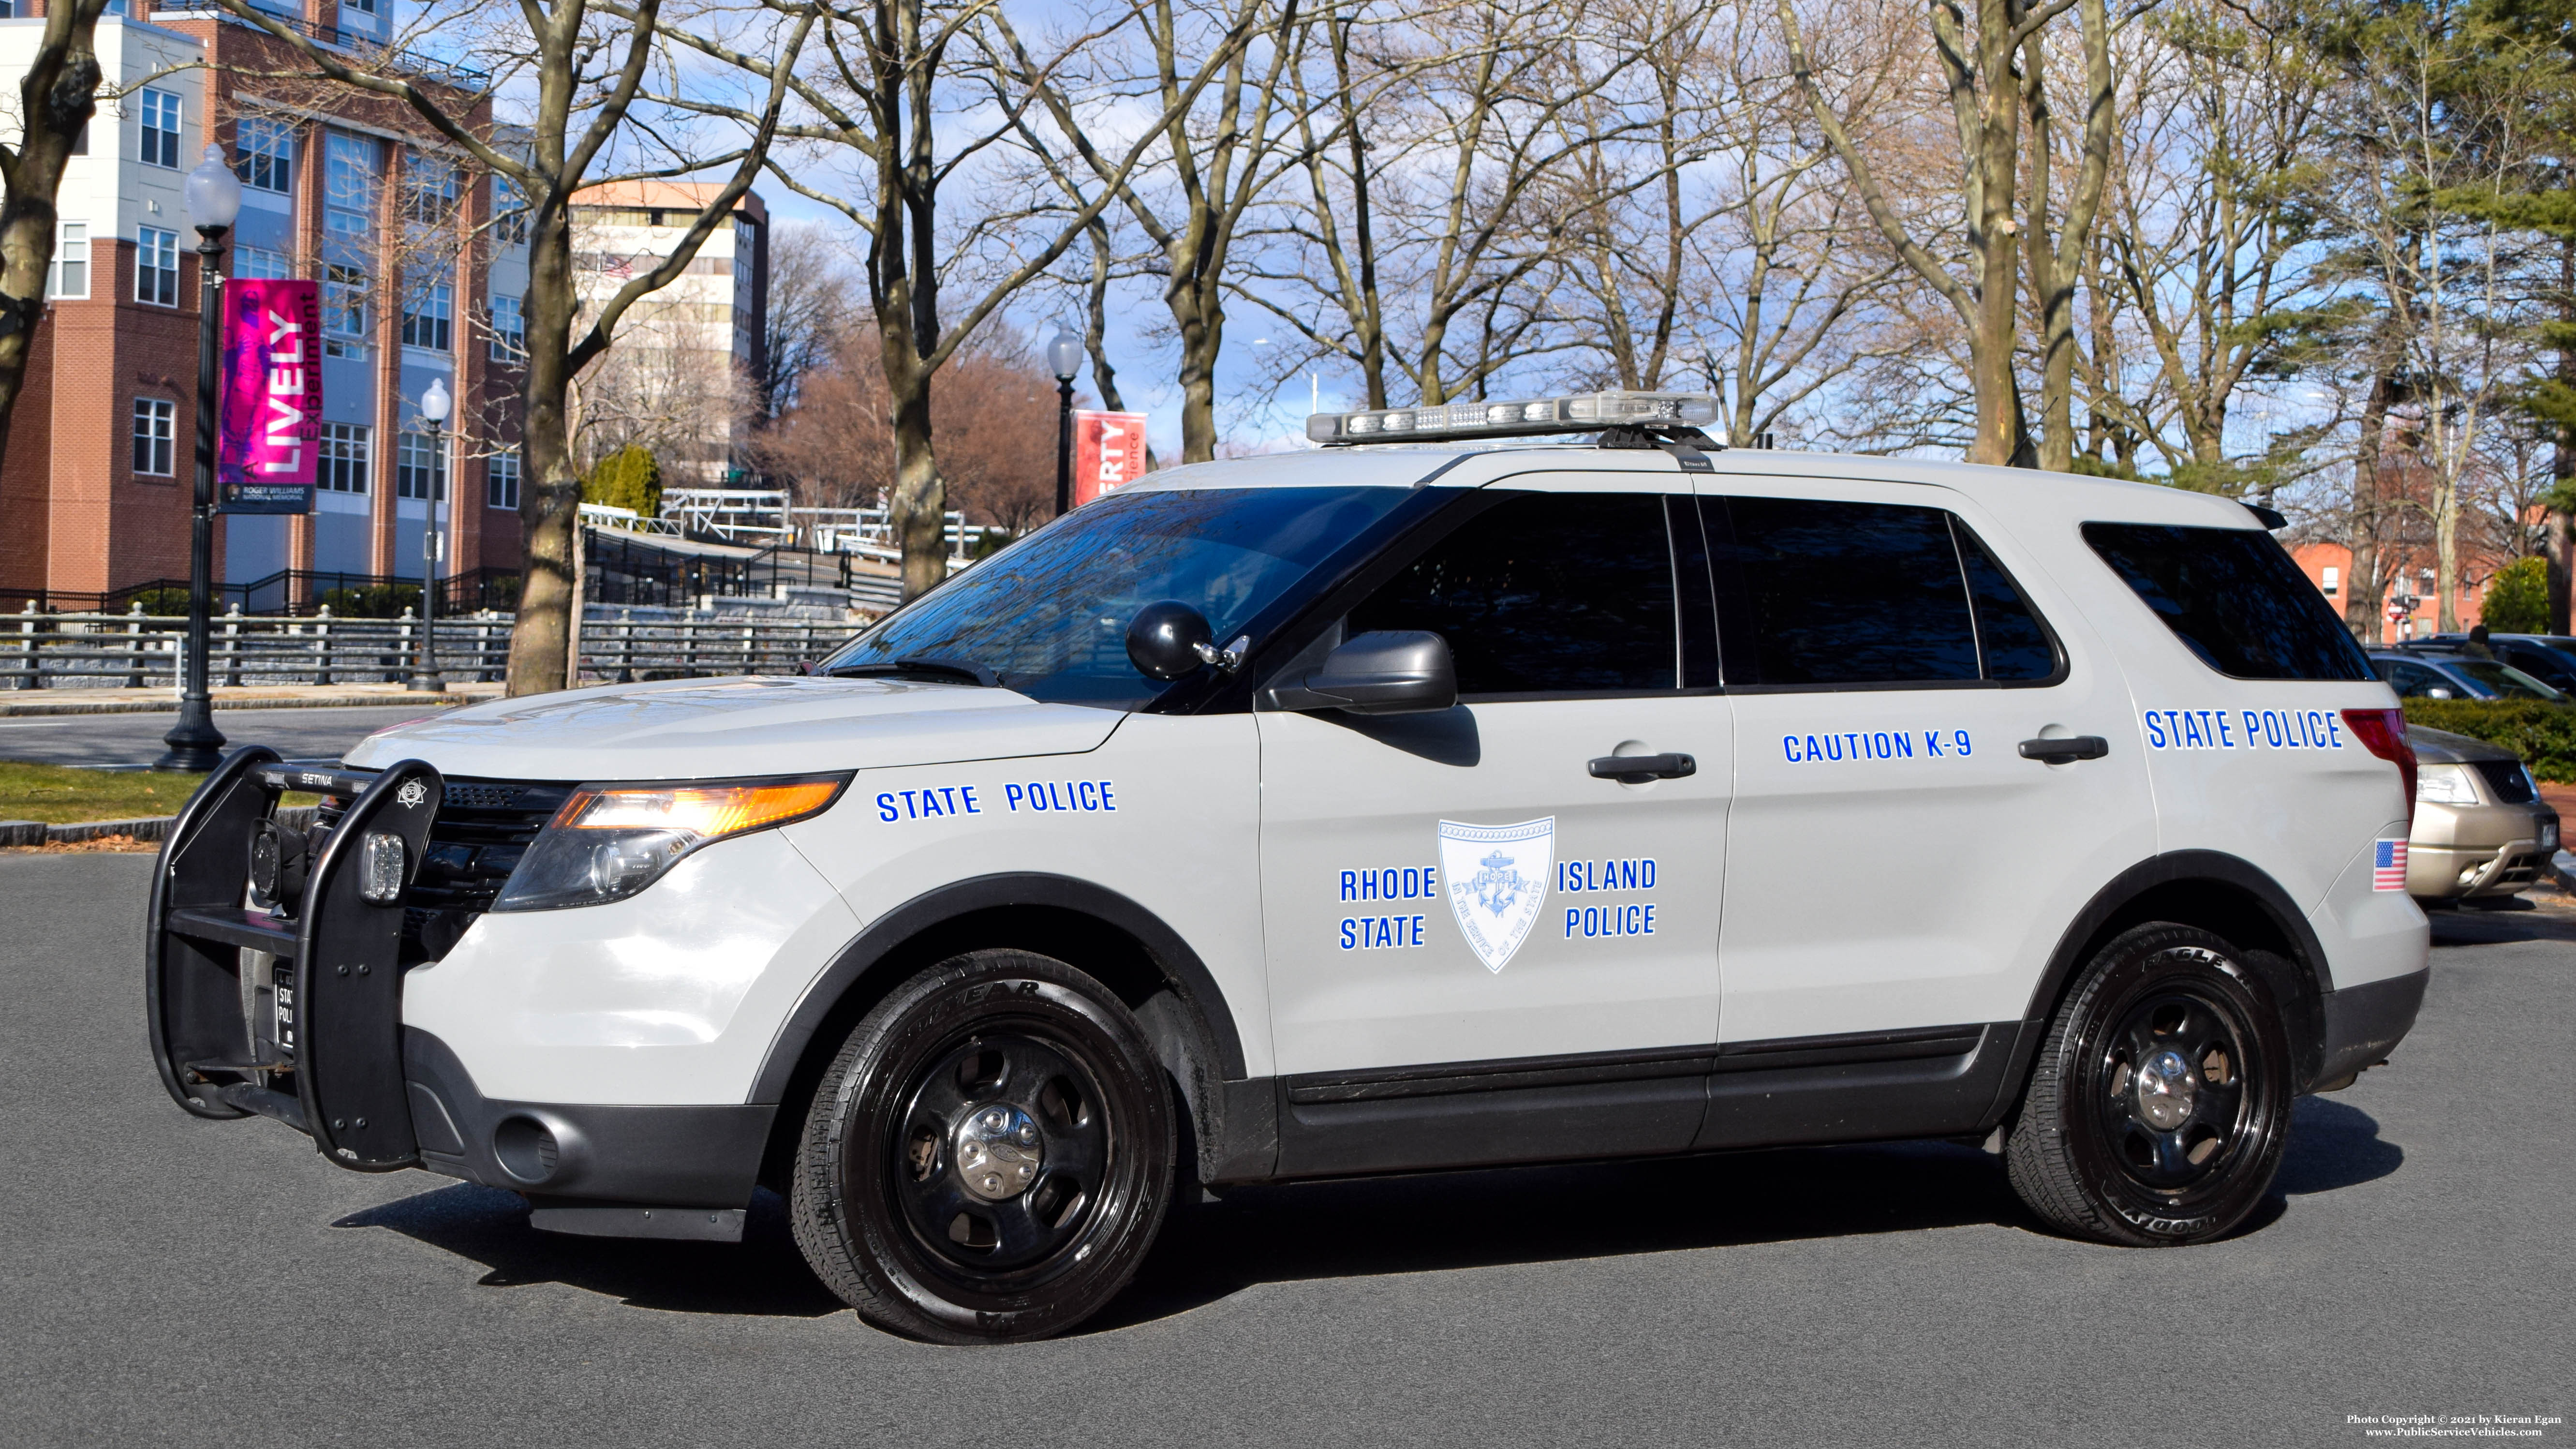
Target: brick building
[
  {"x": 2329, "y": 567},
  {"x": 421, "y": 267}
]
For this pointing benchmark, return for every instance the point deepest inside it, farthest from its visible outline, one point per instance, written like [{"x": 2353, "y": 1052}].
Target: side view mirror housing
[
  {"x": 1168, "y": 639},
  {"x": 2437, "y": 692},
  {"x": 1390, "y": 671}
]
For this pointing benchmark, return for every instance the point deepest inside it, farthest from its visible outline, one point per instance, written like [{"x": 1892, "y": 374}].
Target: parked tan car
[{"x": 2481, "y": 829}]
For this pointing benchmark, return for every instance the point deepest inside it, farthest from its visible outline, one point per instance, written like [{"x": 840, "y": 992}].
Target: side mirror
[
  {"x": 1166, "y": 640},
  {"x": 1391, "y": 671},
  {"x": 2438, "y": 691}
]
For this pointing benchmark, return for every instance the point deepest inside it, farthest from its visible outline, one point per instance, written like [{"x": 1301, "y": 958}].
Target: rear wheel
[
  {"x": 989, "y": 1156},
  {"x": 2160, "y": 1103}
]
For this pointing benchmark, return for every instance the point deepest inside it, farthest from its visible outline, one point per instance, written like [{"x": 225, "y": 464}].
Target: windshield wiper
[{"x": 957, "y": 670}]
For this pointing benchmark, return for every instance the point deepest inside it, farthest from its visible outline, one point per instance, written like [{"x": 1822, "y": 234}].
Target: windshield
[
  {"x": 2504, "y": 680},
  {"x": 1048, "y": 616}
]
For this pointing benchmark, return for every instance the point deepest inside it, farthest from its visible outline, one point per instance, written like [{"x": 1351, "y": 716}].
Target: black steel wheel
[
  {"x": 989, "y": 1156},
  {"x": 2159, "y": 1104}
]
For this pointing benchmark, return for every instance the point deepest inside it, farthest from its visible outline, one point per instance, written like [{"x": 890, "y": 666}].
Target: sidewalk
[{"x": 24, "y": 702}]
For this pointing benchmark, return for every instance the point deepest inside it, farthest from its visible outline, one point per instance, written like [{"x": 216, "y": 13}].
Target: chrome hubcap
[
  {"x": 2165, "y": 1088},
  {"x": 998, "y": 1151}
]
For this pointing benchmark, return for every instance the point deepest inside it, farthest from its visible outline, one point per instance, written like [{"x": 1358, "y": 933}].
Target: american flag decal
[{"x": 2388, "y": 866}]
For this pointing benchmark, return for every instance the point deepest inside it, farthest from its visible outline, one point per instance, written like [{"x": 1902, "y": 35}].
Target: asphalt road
[
  {"x": 176, "y": 1281},
  {"x": 131, "y": 741}
]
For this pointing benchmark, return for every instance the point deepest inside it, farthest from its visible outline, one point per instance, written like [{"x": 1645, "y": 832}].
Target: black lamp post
[
  {"x": 214, "y": 200},
  {"x": 1064, "y": 357},
  {"x": 433, "y": 410}
]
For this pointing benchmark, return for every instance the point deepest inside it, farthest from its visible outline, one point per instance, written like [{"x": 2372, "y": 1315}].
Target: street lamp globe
[
  {"x": 1064, "y": 356},
  {"x": 214, "y": 193},
  {"x": 435, "y": 402}
]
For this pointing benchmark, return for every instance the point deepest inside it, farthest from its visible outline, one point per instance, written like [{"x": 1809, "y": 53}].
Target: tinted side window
[
  {"x": 1841, "y": 593},
  {"x": 2014, "y": 643},
  {"x": 2234, "y": 598},
  {"x": 1545, "y": 593}
]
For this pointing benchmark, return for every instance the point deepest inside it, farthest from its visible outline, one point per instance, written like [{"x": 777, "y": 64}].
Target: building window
[
  {"x": 420, "y": 467},
  {"x": 344, "y": 311},
  {"x": 69, "y": 275},
  {"x": 2333, "y": 577},
  {"x": 259, "y": 263},
  {"x": 429, "y": 189},
  {"x": 156, "y": 266},
  {"x": 363, "y": 7},
  {"x": 265, "y": 154},
  {"x": 509, "y": 213},
  {"x": 160, "y": 113},
  {"x": 156, "y": 429},
  {"x": 349, "y": 194},
  {"x": 429, "y": 317},
  {"x": 509, "y": 330},
  {"x": 343, "y": 459},
  {"x": 501, "y": 480}
]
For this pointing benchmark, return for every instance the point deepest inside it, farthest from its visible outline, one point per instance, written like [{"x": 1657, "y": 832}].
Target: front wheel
[
  {"x": 989, "y": 1156},
  {"x": 2160, "y": 1103}
]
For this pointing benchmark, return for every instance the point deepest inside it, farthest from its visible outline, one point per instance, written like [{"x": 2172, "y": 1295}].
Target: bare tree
[
  {"x": 809, "y": 289},
  {"x": 1212, "y": 167},
  {"x": 56, "y": 99},
  {"x": 894, "y": 99},
  {"x": 1993, "y": 72},
  {"x": 584, "y": 75}
]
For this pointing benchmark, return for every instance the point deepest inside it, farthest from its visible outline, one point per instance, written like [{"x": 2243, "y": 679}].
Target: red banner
[
  {"x": 1108, "y": 450},
  {"x": 271, "y": 418}
]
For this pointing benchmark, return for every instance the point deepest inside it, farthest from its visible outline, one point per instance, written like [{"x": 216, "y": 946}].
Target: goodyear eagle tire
[
  {"x": 2160, "y": 1101},
  {"x": 990, "y": 1155}
]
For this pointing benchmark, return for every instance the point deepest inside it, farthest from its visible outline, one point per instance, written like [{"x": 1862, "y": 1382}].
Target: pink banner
[{"x": 272, "y": 407}]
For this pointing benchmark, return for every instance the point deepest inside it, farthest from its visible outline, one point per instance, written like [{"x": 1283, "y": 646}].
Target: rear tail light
[{"x": 2383, "y": 733}]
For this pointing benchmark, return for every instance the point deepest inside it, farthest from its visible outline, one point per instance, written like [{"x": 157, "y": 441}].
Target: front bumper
[
  {"x": 615, "y": 1171},
  {"x": 2490, "y": 850}
]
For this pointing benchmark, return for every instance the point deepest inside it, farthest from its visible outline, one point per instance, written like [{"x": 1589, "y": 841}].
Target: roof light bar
[{"x": 1587, "y": 412}]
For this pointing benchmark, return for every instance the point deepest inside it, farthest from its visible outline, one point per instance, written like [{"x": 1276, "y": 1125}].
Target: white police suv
[{"x": 1488, "y": 798}]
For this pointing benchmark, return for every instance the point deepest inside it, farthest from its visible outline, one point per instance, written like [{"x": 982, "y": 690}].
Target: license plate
[{"x": 2549, "y": 835}]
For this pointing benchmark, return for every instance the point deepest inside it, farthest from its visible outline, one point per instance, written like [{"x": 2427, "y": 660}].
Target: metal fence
[{"x": 143, "y": 651}]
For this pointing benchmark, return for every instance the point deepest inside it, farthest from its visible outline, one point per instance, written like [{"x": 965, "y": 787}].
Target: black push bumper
[
  {"x": 293, "y": 1010},
  {"x": 2364, "y": 1023}
]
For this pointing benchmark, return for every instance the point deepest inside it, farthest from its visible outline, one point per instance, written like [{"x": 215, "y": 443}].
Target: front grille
[
  {"x": 2507, "y": 780},
  {"x": 482, "y": 829}
]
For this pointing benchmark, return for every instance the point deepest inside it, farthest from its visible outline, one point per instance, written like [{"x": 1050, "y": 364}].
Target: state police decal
[{"x": 1497, "y": 879}]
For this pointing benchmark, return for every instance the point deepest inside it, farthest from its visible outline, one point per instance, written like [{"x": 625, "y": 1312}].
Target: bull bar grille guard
[{"x": 328, "y": 1060}]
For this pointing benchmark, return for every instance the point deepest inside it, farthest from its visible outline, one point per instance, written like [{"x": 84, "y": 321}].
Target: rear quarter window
[{"x": 2234, "y": 599}]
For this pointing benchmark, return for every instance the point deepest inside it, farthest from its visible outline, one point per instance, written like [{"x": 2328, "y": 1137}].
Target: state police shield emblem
[{"x": 1497, "y": 878}]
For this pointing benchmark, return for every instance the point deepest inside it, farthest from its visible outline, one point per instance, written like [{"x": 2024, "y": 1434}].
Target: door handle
[
  {"x": 2066, "y": 751},
  {"x": 1638, "y": 769}
]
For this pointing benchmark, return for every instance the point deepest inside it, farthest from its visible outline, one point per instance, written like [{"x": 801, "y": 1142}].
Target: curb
[
  {"x": 155, "y": 827},
  {"x": 171, "y": 706}
]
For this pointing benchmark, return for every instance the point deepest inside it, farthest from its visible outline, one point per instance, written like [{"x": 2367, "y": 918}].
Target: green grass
[{"x": 63, "y": 795}]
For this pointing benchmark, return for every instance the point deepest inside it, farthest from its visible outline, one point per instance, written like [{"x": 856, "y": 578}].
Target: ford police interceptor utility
[{"x": 1489, "y": 798}]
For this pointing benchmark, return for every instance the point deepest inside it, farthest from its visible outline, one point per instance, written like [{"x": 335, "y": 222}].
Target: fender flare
[
  {"x": 1170, "y": 955},
  {"x": 2307, "y": 952}
]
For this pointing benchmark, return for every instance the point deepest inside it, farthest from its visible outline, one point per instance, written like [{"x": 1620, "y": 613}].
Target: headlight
[
  {"x": 2444, "y": 785},
  {"x": 608, "y": 842}
]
